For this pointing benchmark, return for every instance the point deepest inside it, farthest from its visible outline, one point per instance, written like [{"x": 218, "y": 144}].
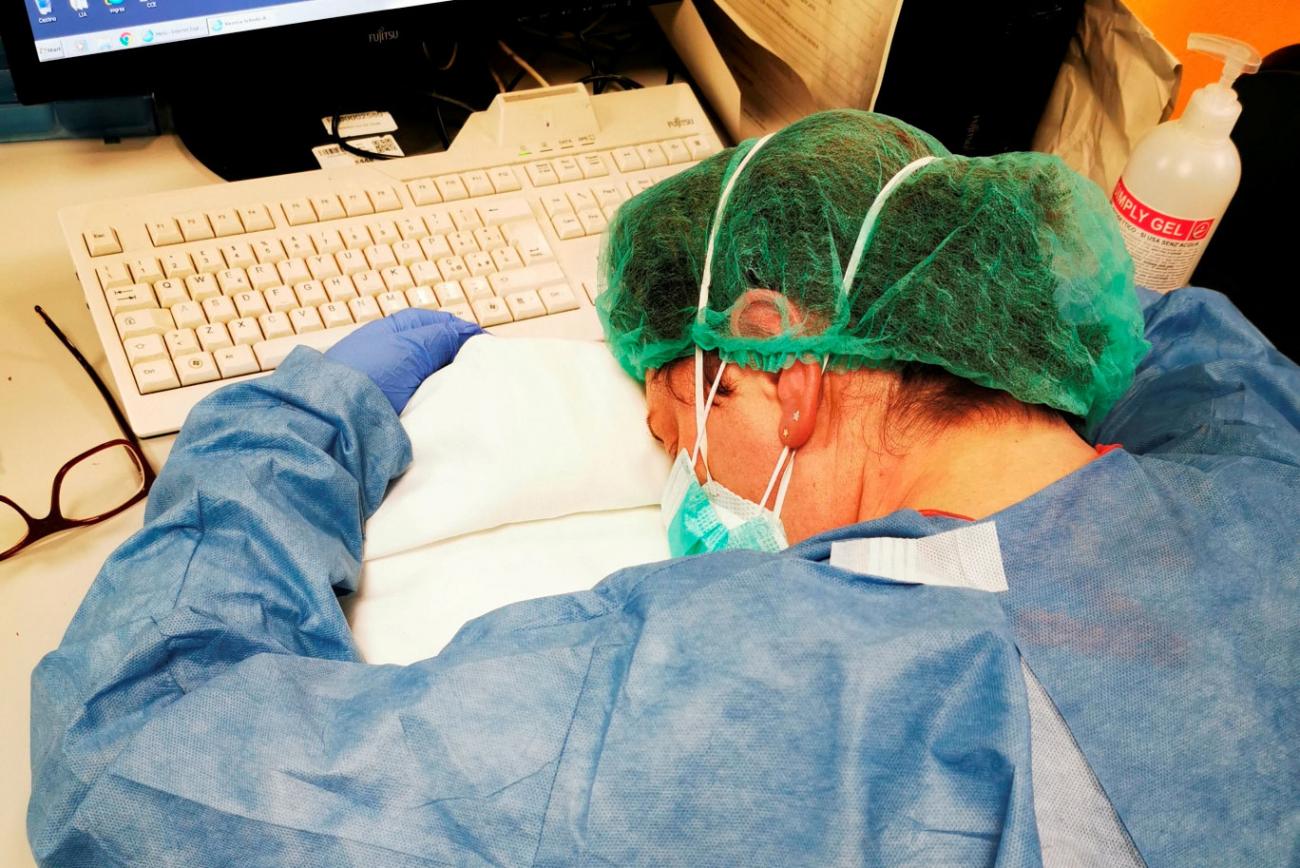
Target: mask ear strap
[
  {"x": 873, "y": 213},
  {"x": 702, "y": 411},
  {"x": 785, "y": 480}
]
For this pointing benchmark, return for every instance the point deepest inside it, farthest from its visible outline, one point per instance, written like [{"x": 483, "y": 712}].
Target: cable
[
  {"x": 622, "y": 81},
  {"x": 501, "y": 85},
  {"x": 523, "y": 64}
]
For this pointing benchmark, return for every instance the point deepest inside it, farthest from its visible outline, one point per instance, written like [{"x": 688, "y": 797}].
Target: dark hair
[{"x": 928, "y": 399}]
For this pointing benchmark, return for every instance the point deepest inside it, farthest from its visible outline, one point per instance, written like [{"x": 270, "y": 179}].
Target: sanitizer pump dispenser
[{"x": 1181, "y": 176}]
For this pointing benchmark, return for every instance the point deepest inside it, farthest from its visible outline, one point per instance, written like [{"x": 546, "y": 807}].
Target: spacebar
[{"x": 271, "y": 353}]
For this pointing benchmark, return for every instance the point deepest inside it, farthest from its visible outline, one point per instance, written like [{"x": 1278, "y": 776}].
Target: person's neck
[{"x": 974, "y": 470}]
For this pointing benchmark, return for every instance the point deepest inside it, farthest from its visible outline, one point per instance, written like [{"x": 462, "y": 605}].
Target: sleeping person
[{"x": 980, "y": 556}]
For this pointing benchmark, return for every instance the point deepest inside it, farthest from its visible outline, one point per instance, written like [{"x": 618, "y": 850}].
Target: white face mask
[{"x": 710, "y": 517}]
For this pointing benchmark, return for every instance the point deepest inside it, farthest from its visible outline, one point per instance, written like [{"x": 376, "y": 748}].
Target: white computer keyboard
[{"x": 192, "y": 288}]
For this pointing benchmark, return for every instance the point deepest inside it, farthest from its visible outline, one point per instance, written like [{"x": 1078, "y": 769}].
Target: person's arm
[
  {"x": 1212, "y": 385},
  {"x": 253, "y": 522}
]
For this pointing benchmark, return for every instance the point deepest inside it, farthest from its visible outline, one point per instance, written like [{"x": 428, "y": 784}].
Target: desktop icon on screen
[
  {"x": 79, "y": 5},
  {"x": 43, "y": 6},
  {"x": 125, "y": 38},
  {"x": 147, "y": 37},
  {"x": 114, "y": 2}
]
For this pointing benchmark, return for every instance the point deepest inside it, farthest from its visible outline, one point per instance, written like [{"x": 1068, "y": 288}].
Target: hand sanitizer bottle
[{"x": 1181, "y": 176}]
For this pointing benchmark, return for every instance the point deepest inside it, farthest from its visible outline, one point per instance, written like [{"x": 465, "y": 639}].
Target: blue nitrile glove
[{"x": 398, "y": 352}]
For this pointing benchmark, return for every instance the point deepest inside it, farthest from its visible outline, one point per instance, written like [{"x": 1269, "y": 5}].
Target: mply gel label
[
  {"x": 1148, "y": 219},
  {"x": 1165, "y": 248}
]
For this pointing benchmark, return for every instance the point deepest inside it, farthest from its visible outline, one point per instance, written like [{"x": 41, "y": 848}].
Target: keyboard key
[
  {"x": 504, "y": 179},
  {"x": 699, "y": 147},
  {"x": 195, "y": 226},
  {"x": 652, "y": 155},
  {"x": 280, "y": 298},
  {"x": 609, "y": 196},
  {"x": 263, "y": 277},
  {"x": 335, "y": 314},
  {"x": 322, "y": 266},
  {"x": 327, "y": 207},
  {"x": 155, "y": 376},
  {"x": 244, "y": 331},
  {"x": 225, "y": 222},
  {"x": 237, "y": 360},
  {"x": 356, "y": 203},
  {"x": 439, "y": 223},
  {"x": 463, "y": 311},
  {"x": 529, "y": 241},
  {"x": 380, "y": 256},
  {"x": 384, "y": 199},
  {"x": 163, "y": 231},
  {"x": 213, "y": 336},
  {"x": 297, "y": 212},
  {"x": 170, "y": 292},
  {"x": 506, "y": 211},
  {"x": 268, "y": 251},
  {"x": 311, "y": 293},
  {"x": 305, "y": 319},
  {"x": 491, "y": 311},
  {"x": 408, "y": 252},
  {"x": 542, "y": 174},
  {"x": 478, "y": 183},
  {"x": 368, "y": 283},
  {"x": 479, "y": 263},
  {"x": 582, "y": 199},
  {"x": 188, "y": 315},
  {"x": 425, "y": 273},
  {"x": 449, "y": 292},
  {"x": 391, "y": 302},
  {"x": 150, "y": 321},
  {"x": 177, "y": 265},
  {"x": 135, "y": 297},
  {"x": 364, "y": 309},
  {"x": 466, "y": 218},
  {"x": 567, "y": 226},
  {"x": 145, "y": 349},
  {"x": 219, "y": 309},
  {"x": 567, "y": 169},
  {"x": 462, "y": 243},
  {"x": 489, "y": 238},
  {"x": 114, "y": 275},
  {"x": 144, "y": 269},
  {"x": 557, "y": 299},
  {"x": 397, "y": 278},
  {"x": 339, "y": 288},
  {"x": 239, "y": 254},
  {"x": 435, "y": 247},
  {"x": 351, "y": 261},
  {"x": 251, "y": 303},
  {"x": 424, "y": 192},
  {"x": 181, "y": 342},
  {"x": 297, "y": 245},
  {"x": 505, "y": 258},
  {"x": 293, "y": 271},
  {"x": 422, "y": 296},
  {"x": 533, "y": 277},
  {"x": 593, "y": 166},
  {"x": 628, "y": 159},
  {"x": 275, "y": 325},
  {"x": 208, "y": 260},
  {"x": 385, "y": 232},
  {"x": 327, "y": 240},
  {"x": 255, "y": 218},
  {"x": 592, "y": 220},
  {"x": 451, "y": 187},
  {"x": 637, "y": 185},
  {"x": 102, "y": 240},
  {"x": 676, "y": 151},
  {"x": 452, "y": 268},
  {"x": 525, "y": 305},
  {"x": 555, "y": 204},
  {"x": 411, "y": 228},
  {"x": 233, "y": 281},
  {"x": 356, "y": 237},
  {"x": 197, "y": 367},
  {"x": 202, "y": 286},
  {"x": 476, "y": 288}
]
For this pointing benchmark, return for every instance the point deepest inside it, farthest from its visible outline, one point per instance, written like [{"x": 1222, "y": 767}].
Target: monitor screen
[{"x": 77, "y": 28}]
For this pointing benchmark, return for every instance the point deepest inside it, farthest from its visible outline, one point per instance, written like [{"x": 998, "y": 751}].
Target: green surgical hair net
[{"x": 1008, "y": 271}]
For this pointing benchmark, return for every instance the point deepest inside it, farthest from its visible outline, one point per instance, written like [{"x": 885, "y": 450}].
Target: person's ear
[{"x": 799, "y": 392}]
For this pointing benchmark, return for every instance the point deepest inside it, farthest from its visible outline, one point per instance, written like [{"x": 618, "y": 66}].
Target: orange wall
[{"x": 1266, "y": 24}]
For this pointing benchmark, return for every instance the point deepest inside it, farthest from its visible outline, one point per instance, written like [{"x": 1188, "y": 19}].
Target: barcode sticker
[
  {"x": 330, "y": 156},
  {"x": 361, "y": 123}
]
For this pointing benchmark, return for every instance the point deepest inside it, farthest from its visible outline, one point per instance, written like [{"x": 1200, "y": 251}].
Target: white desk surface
[{"x": 49, "y": 411}]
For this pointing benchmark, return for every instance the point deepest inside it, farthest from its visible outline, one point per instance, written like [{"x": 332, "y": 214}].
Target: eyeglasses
[{"x": 97, "y": 484}]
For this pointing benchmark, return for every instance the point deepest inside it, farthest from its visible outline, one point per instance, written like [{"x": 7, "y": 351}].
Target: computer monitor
[{"x": 246, "y": 83}]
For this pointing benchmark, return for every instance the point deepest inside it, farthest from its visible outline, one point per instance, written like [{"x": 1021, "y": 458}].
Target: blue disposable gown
[{"x": 208, "y": 706}]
